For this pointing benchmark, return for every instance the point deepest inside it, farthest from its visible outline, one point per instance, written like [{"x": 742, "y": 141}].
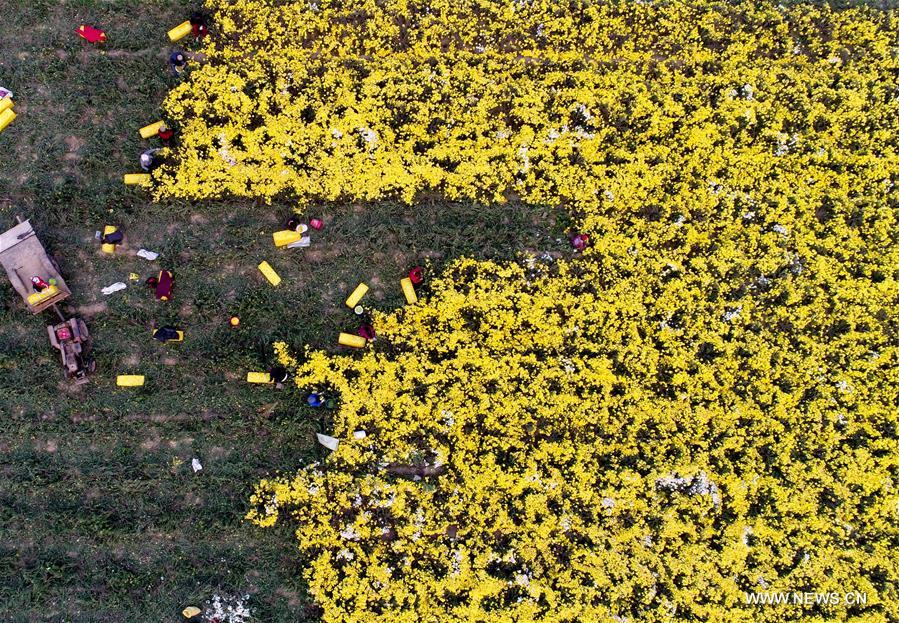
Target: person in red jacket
[
  {"x": 198, "y": 25},
  {"x": 38, "y": 284}
]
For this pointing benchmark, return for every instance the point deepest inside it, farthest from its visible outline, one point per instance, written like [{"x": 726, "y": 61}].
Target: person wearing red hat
[
  {"x": 417, "y": 275},
  {"x": 579, "y": 241},
  {"x": 39, "y": 284}
]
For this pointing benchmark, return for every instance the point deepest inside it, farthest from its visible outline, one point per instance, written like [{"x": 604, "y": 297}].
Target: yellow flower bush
[
  {"x": 701, "y": 405},
  {"x": 543, "y": 443},
  {"x": 491, "y": 100}
]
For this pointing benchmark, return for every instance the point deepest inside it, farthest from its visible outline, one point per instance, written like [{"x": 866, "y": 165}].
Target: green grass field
[{"x": 101, "y": 515}]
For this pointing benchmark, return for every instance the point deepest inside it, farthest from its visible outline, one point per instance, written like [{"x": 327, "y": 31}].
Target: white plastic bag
[
  {"x": 327, "y": 441},
  {"x": 115, "y": 287},
  {"x": 305, "y": 241}
]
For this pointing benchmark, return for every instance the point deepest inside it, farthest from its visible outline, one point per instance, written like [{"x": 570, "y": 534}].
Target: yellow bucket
[
  {"x": 43, "y": 295},
  {"x": 408, "y": 290},
  {"x": 285, "y": 237},
  {"x": 353, "y": 341},
  {"x": 5, "y": 103},
  {"x": 129, "y": 380},
  {"x": 136, "y": 179},
  {"x": 6, "y": 117},
  {"x": 357, "y": 295},
  {"x": 180, "y": 31},
  {"x": 269, "y": 273},
  {"x": 152, "y": 130}
]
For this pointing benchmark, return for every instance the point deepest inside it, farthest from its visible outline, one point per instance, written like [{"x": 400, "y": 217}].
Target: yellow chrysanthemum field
[{"x": 700, "y": 406}]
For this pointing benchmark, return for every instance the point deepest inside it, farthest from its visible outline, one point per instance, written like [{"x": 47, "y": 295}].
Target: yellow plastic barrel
[
  {"x": 353, "y": 341},
  {"x": 108, "y": 248},
  {"x": 259, "y": 377},
  {"x": 180, "y": 31},
  {"x": 136, "y": 179},
  {"x": 285, "y": 237},
  {"x": 6, "y": 117},
  {"x": 43, "y": 295},
  {"x": 149, "y": 131},
  {"x": 270, "y": 274},
  {"x": 129, "y": 380},
  {"x": 408, "y": 290},
  {"x": 357, "y": 295},
  {"x": 5, "y": 103}
]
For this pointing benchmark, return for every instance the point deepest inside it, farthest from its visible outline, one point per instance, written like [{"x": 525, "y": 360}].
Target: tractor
[{"x": 35, "y": 276}]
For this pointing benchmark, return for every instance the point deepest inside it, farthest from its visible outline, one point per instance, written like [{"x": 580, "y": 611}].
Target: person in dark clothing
[
  {"x": 177, "y": 62},
  {"x": 115, "y": 237},
  {"x": 166, "y": 334},
  {"x": 149, "y": 160},
  {"x": 279, "y": 374},
  {"x": 315, "y": 399},
  {"x": 293, "y": 223}
]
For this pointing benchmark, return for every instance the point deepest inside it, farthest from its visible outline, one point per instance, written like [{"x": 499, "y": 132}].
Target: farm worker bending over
[
  {"x": 39, "y": 284},
  {"x": 149, "y": 160},
  {"x": 166, "y": 334}
]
